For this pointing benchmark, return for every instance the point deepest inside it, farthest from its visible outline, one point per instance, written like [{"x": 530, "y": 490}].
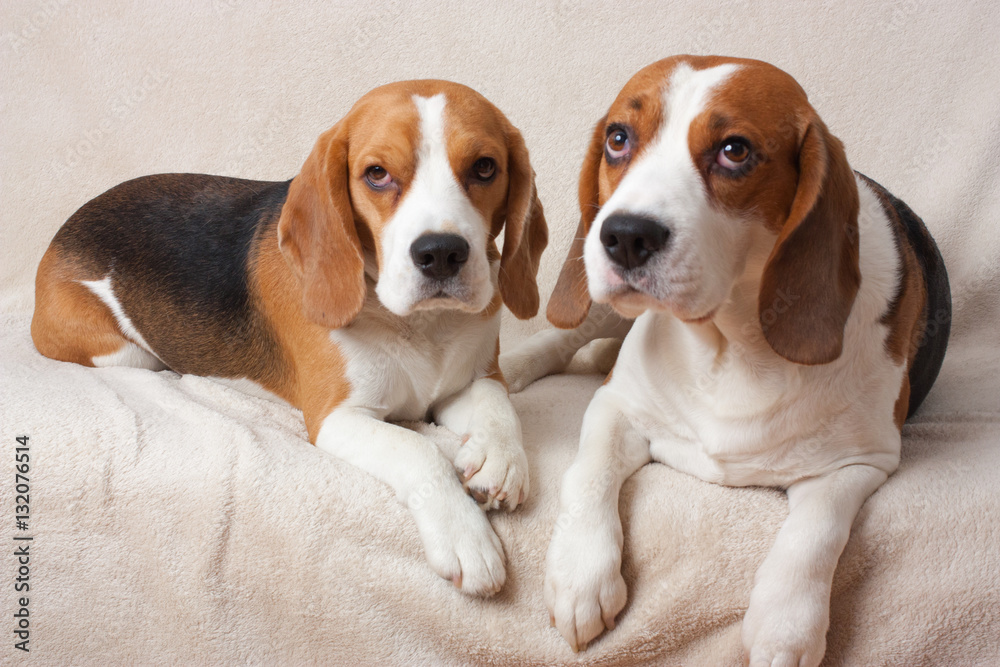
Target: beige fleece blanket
[{"x": 178, "y": 520}]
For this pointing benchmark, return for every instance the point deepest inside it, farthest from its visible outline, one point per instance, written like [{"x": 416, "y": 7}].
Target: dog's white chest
[
  {"x": 729, "y": 419},
  {"x": 400, "y": 367}
]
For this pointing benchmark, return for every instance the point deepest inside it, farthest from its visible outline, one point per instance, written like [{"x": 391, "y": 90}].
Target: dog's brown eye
[
  {"x": 734, "y": 152},
  {"x": 484, "y": 168},
  {"x": 378, "y": 177},
  {"x": 617, "y": 145}
]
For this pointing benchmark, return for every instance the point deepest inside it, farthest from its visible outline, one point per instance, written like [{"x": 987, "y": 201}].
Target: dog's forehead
[
  {"x": 400, "y": 110},
  {"x": 751, "y": 90}
]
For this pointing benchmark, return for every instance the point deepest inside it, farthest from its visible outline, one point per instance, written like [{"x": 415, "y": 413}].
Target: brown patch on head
[
  {"x": 384, "y": 131},
  {"x": 766, "y": 110}
]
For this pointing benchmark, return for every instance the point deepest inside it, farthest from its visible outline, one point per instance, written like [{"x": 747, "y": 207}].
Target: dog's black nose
[
  {"x": 439, "y": 255},
  {"x": 630, "y": 240}
]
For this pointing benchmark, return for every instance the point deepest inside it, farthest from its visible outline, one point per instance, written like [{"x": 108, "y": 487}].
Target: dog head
[
  {"x": 413, "y": 187},
  {"x": 700, "y": 161}
]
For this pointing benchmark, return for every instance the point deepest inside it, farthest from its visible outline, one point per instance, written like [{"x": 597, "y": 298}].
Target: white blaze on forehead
[
  {"x": 685, "y": 98},
  {"x": 433, "y": 168}
]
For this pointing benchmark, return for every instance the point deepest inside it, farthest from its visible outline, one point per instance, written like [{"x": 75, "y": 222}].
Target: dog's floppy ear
[
  {"x": 525, "y": 232},
  {"x": 570, "y": 301},
  {"x": 317, "y": 236},
  {"x": 811, "y": 277}
]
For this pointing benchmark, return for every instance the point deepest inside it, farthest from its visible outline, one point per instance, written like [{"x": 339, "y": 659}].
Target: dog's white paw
[
  {"x": 584, "y": 589},
  {"x": 785, "y": 628},
  {"x": 494, "y": 472},
  {"x": 460, "y": 544}
]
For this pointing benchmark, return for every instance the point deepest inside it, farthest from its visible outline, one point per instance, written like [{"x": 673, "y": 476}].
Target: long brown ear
[
  {"x": 317, "y": 236},
  {"x": 812, "y": 276},
  {"x": 525, "y": 233},
  {"x": 570, "y": 301}
]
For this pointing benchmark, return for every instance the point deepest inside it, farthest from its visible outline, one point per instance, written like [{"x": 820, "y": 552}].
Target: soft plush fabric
[{"x": 180, "y": 520}]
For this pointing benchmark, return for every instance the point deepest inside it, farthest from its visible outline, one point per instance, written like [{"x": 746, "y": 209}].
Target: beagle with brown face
[
  {"x": 365, "y": 290},
  {"x": 790, "y": 314}
]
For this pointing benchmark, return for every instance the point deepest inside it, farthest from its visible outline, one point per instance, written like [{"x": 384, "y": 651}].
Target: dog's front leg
[
  {"x": 584, "y": 589},
  {"x": 789, "y": 610},
  {"x": 458, "y": 540},
  {"x": 491, "y": 461},
  {"x": 549, "y": 351}
]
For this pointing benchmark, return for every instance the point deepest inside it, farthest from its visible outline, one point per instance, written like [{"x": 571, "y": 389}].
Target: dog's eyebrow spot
[
  {"x": 635, "y": 103},
  {"x": 718, "y": 121}
]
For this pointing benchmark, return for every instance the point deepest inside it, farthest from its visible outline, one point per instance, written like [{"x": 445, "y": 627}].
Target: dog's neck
[{"x": 737, "y": 327}]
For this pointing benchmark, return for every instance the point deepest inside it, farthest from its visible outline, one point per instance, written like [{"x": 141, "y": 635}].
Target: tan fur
[{"x": 70, "y": 322}]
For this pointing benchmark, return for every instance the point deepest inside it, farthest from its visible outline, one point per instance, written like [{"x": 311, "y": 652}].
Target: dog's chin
[
  {"x": 442, "y": 301},
  {"x": 627, "y": 302},
  {"x": 447, "y": 298},
  {"x": 630, "y": 302}
]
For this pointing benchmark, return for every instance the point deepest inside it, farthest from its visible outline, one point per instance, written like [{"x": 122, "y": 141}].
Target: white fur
[
  {"x": 434, "y": 203},
  {"x": 715, "y": 401},
  {"x": 129, "y": 354},
  {"x": 136, "y": 353},
  {"x": 432, "y": 364},
  {"x": 399, "y": 367}
]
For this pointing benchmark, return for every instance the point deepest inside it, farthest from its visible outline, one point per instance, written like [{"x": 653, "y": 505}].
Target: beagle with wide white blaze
[
  {"x": 366, "y": 290},
  {"x": 790, "y": 314}
]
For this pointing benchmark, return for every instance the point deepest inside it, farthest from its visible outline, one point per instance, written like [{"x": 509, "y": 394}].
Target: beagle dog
[
  {"x": 366, "y": 290},
  {"x": 789, "y": 315}
]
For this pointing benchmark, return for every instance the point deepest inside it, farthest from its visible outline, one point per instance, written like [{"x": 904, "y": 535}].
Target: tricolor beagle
[
  {"x": 790, "y": 314},
  {"x": 365, "y": 290}
]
